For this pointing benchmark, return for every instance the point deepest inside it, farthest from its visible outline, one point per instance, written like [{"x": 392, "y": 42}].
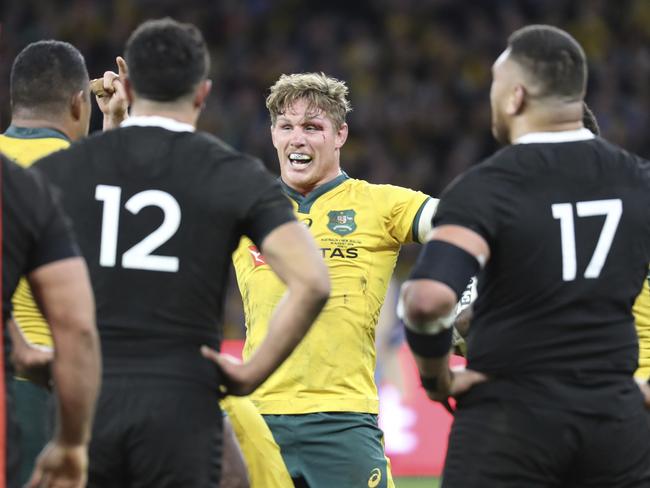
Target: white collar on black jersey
[
  {"x": 157, "y": 121},
  {"x": 560, "y": 136}
]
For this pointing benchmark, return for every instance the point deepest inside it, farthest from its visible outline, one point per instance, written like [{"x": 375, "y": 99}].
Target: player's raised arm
[
  {"x": 453, "y": 255},
  {"x": 111, "y": 96},
  {"x": 292, "y": 254}
]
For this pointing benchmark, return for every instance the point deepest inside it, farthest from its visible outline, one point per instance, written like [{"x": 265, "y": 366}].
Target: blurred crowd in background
[{"x": 418, "y": 70}]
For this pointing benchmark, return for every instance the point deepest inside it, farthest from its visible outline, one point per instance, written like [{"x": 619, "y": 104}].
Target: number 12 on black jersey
[
  {"x": 139, "y": 256},
  {"x": 612, "y": 210}
]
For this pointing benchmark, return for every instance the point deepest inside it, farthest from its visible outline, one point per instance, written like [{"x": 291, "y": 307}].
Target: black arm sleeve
[
  {"x": 474, "y": 201},
  {"x": 271, "y": 210},
  {"x": 54, "y": 239},
  {"x": 35, "y": 229}
]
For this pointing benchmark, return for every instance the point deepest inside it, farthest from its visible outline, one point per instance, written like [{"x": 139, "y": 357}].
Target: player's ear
[
  {"x": 516, "y": 99},
  {"x": 202, "y": 93},
  {"x": 128, "y": 87},
  {"x": 273, "y": 136},
  {"x": 76, "y": 104},
  {"x": 341, "y": 136}
]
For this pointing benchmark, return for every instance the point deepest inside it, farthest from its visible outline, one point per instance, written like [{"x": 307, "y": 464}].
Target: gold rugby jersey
[
  {"x": 25, "y": 146},
  {"x": 359, "y": 228},
  {"x": 641, "y": 312}
]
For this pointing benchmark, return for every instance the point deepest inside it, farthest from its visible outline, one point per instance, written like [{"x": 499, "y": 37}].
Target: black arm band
[
  {"x": 427, "y": 345},
  {"x": 447, "y": 263}
]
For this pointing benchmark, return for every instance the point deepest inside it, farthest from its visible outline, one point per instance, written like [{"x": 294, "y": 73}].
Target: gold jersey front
[
  {"x": 641, "y": 312},
  {"x": 25, "y": 146},
  {"x": 359, "y": 228}
]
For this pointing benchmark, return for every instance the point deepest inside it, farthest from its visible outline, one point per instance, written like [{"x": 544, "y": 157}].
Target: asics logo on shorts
[{"x": 375, "y": 478}]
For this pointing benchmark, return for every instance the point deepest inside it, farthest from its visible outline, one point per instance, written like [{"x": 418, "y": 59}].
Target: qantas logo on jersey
[
  {"x": 342, "y": 221},
  {"x": 258, "y": 259},
  {"x": 337, "y": 252}
]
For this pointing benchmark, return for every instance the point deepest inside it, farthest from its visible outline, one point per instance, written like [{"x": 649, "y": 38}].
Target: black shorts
[
  {"x": 155, "y": 433},
  {"x": 511, "y": 445}
]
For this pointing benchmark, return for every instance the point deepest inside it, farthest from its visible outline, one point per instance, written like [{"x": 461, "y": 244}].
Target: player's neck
[
  {"x": 180, "y": 112},
  {"x": 306, "y": 189},
  {"x": 548, "y": 119},
  {"x": 41, "y": 122}
]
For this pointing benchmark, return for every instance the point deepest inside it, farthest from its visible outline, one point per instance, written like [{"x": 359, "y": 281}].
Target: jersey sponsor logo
[
  {"x": 342, "y": 221},
  {"x": 337, "y": 252},
  {"x": 258, "y": 259},
  {"x": 375, "y": 478}
]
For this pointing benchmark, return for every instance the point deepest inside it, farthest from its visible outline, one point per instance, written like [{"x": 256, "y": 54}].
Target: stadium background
[{"x": 418, "y": 72}]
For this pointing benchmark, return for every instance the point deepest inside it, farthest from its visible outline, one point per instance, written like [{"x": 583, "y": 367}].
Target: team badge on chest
[{"x": 342, "y": 221}]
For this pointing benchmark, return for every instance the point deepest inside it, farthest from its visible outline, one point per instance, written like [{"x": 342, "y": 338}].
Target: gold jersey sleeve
[
  {"x": 359, "y": 228},
  {"x": 25, "y": 151},
  {"x": 641, "y": 312},
  {"x": 262, "y": 456}
]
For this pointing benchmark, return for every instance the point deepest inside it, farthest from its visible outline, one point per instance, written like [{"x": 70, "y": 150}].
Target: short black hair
[
  {"x": 45, "y": 74},
  {"x": 589, "y": 119},
  {"x": 554, "y": 59},
  {"x": 166, "y": 59}
]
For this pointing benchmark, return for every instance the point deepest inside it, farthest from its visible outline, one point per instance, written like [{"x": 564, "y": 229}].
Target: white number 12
[
  {"x": 612, "y": 209},
  {"x": 139, "y": 256}
]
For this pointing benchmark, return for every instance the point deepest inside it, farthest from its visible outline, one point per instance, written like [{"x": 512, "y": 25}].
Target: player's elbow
[
  {"x": 75, "y": 315},
  {"x": 76, "y": 326},
  {"x": 317, "y": 287},
  {"x": 426, "y": 300}
]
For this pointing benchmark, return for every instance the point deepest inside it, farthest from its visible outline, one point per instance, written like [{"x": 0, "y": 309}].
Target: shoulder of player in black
[
  {"x": 191, "y": 149},
  {"x": 58, "y": 160},
  {"x": 484, "y": 169},
  {"x": 225, "y": 151},
  {"x": 26, "y": 181}
]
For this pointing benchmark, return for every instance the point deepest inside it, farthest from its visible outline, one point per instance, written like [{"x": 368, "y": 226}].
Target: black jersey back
[
  {"x": 158, "y": 214},
  {"x": 568, "y": 225}
]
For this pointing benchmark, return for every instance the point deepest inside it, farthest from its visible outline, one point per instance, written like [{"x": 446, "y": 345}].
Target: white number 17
[{"x": 612, "y": 209}]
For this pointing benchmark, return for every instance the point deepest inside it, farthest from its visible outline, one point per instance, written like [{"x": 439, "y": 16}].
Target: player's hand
[
  {"x": 463, "y": 380},
  {"x": 31, "y": 362},
  {"x": 59, "y": 466},
  {"x": 458, "y": 381},
  {"x": 645, "y": 391},
  {"x": 238, "y": 379},
  {"x": 111, "y": 95}
]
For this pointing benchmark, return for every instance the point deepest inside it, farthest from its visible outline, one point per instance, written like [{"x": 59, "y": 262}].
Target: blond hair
[{"x": 321, "y": 92}]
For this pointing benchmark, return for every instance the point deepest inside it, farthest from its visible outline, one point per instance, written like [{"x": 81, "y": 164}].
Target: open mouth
[{"x": 299, "y": 159}]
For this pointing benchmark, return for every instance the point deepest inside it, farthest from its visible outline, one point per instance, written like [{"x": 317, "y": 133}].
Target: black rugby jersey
[
  {"x": 567, "y": 219},
  {"x": 158, "y": 211}
]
